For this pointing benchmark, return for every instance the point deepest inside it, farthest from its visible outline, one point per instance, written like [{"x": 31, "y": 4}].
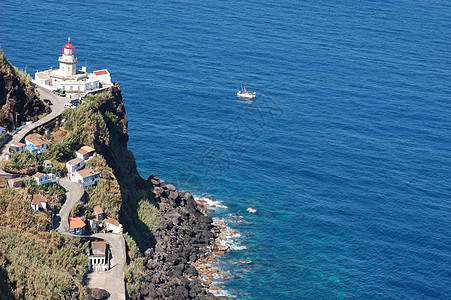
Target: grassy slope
[{"x": 35, "y": 263}]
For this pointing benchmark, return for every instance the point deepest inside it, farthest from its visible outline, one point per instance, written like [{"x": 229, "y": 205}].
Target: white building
[
  {"x": 113, "y": 225},
  {"x": 98, "y": 256},
  {"x": 38, "y": 202},
  {"x": 43, "y": 179},
  {"x": 68, "y": 78},
  {"x": 86, "y": 177},
  {"x": 85, "y": 152},
  {"x": 74, "y": 165},
  {"x": 35, "y": 144}
]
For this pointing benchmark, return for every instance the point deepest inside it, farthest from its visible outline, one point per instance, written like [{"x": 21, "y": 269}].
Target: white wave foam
[
  {"x": 237, "y": 247},
  {"x": 251, "y": 210},
  {"x": 211, "y": 202}
]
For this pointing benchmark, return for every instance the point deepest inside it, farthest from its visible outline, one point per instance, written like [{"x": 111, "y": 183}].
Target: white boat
[{"x": 246, "y": 94}]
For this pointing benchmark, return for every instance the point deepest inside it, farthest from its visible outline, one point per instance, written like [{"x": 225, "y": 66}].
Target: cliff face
[
  {"x": 183, "y": 235},
  {"x": 17, "y": 95}
]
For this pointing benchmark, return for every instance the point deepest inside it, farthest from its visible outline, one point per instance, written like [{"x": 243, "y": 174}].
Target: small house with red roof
[
  {"x": 15, "y": 182},
  {"x": 47, "y": 163},
  {"x": 39, "y": 202},
  {"x": 77, "y": 226},
  {"x": 113, "y": 225},
  {"x": 43, "y": 179},
  {"x": 16, "y": 147},
  {"x": 86, "y": 177},
  {"x": 98, "y": 211},
  {"x": 85, "y": 152},
  {"x": 35, "y": 144}
]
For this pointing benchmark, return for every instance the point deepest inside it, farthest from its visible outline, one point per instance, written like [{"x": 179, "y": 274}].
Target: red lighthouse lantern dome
[{"x": 68, "y": 49}]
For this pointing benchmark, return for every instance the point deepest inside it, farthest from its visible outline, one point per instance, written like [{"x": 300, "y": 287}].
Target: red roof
[
  {"x": 76, "y": 222},
  {"x": 69, "y": 45},
  {"x": 101, "y": 72},
  {"x": 37, "y": 198},
  {"x": 101, "y": 244},
  {"x": 98, "y": 209},
  {"x": 38, "y": 174},
  {"x": 113, "y": 221}
]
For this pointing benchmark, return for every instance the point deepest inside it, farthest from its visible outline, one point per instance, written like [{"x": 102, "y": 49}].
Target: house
[
  {"x": 77, "y": 226},
  {"x": 98, "y": 211},
  {"x": 86, "y": 177},
  {"x": 43, "y": 179},
  {"x": 35, "y": 144},
  {"x": 74, "y": 165},
  {"x": 94, "y": 224},
  {"x": 98, "y": 256},
  {"x": 38, "y": 202},
  {"x": 15, "y": 182},
  {"x": 113, "y": 225},
  {"x": 16, "y": 147},
  {"x": 48, "y": 164},
  {"x": 84, "y": 152}
]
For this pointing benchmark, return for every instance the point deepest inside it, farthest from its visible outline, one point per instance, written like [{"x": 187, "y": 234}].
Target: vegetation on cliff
[
  {"x": 18, "y": 98},
  {"x": 33, "y": 263}
]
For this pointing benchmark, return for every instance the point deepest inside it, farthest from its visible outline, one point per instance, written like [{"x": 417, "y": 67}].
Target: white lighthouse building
[{"x": 68, "y": 78}]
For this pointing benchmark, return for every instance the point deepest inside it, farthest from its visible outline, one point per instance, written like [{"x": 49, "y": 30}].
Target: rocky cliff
[
  {"x": 184, "y": 233},
  {"x": 17, "y": 95}
]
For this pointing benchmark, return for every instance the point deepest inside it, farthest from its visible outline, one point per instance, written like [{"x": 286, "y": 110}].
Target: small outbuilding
[
  {"x": 16, "y": 147},
  {"x": 98, "y": 211},
  {"x": 47, "y": 164},
  {"x": 39, "y": 202},
  {"x": 15, "y": 182},
  {"x": 113, "y": 225},
  {"x": 85, "y": 152}
]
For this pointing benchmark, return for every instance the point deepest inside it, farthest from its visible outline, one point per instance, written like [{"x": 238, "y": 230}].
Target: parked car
[
  {"x": 48, "y": 102},
  {"x": 69, "y": 105},
  {"x": 60, "y": 92},
  {"x": 75, "y": 102}
]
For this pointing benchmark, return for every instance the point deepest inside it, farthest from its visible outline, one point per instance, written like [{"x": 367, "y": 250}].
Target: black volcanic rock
[{"x": 183, "y": 236}]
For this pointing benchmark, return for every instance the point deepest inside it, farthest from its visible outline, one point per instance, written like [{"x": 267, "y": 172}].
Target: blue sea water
[{"x": 345, "y": 154}]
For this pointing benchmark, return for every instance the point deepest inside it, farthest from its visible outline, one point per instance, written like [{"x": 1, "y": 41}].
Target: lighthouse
[
  {"x": 69, "y": 79},
  {"x": 68, "y": 61}
]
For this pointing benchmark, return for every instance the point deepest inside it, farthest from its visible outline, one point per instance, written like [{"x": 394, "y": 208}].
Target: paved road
[
  {"x": 113, "y": 279},
  {"x": 74, "y": 192},
  {"x": 57, "y": 109}
]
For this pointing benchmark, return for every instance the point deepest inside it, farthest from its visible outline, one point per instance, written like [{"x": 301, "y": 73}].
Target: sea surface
[{"x": 345, "y": 154}]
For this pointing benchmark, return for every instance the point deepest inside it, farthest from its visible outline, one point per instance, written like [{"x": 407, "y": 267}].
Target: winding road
[{"x": 113, "y": 279}]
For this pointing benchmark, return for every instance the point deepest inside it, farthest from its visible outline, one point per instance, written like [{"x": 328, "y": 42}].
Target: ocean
[{"x": 345, "y": 154}]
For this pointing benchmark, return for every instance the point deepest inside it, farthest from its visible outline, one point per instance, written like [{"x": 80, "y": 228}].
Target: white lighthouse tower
[{"x": 68, "y": 62}]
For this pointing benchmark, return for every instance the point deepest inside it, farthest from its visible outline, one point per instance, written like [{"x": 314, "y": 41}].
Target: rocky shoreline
[{"x": 185, "y": 241}]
